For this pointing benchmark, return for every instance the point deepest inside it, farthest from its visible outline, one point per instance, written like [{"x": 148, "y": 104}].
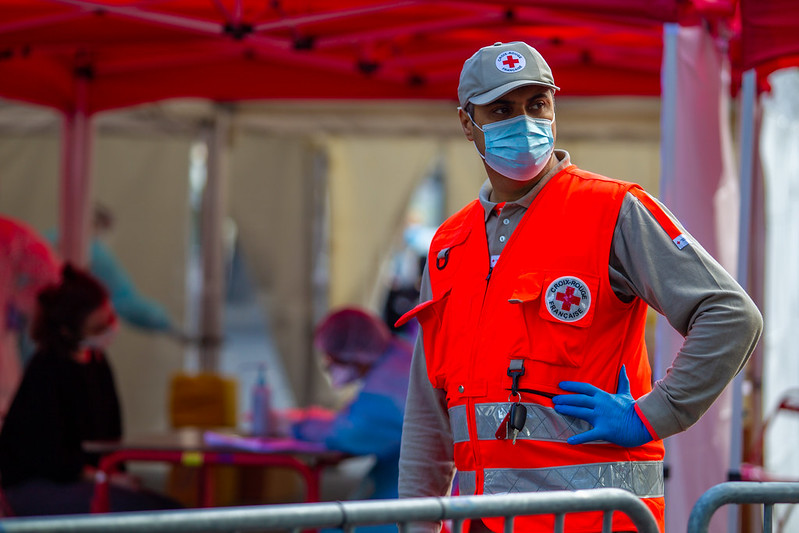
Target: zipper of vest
[{"x": 470, "y": 402}]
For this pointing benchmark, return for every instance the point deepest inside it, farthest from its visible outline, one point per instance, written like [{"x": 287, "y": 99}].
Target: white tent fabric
[
  {"x": 143, "y": 180},
  {"x": 371, "y": 181},
  {"x": 699, "y": 185},
  {"x": 780, "y": 160},
  {"x": 272, "y": 201}
]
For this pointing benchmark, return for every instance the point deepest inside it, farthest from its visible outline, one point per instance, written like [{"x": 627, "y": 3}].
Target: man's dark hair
[
  {"x": 63, "y": 308},
  {"x": 469, "y": 108}
]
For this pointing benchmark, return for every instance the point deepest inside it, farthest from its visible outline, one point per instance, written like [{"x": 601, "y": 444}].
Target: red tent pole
[{"x": 75, "y": 178}]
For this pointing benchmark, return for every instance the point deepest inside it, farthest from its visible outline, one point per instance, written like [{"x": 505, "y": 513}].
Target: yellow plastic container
[
  {"x": 202, "y": 400},
  {"x": 206, "y": 401}
]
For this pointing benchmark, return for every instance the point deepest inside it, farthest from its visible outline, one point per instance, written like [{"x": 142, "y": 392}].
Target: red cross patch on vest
[{"x": 568, "y": 298}]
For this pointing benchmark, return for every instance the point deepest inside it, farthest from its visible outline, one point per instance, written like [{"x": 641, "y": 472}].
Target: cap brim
[{"x": 493, "y": 94}]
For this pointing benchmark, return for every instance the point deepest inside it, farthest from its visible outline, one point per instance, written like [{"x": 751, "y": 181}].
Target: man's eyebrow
[{"x": 503, "y": 101}]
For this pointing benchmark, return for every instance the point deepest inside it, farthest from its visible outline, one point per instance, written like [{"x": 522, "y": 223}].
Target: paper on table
[{"x": 261, "y": 444}]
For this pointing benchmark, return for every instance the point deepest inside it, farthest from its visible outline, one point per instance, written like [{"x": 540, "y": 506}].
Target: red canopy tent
[
  {"x": 766, "y": 36},
  {"x": 131, "y": 51}
]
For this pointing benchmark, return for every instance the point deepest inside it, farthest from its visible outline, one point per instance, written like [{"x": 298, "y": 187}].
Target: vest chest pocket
[
  {"x": 439, "y": 332},
  {"x": 557, "y": 310},
  {"x": 430, "y": 315}
]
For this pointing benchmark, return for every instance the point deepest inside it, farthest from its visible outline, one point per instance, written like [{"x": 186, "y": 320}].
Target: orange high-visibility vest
[{"x": 547, "y": 305}]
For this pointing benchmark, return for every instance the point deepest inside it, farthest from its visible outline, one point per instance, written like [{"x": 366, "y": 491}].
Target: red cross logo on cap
[{"x": 510, "y": 61}]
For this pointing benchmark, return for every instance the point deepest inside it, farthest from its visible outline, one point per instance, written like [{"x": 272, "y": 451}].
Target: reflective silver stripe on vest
[
  {"x": 459, "y": 424},
  {"x": 467, "y": 482},
  {"x": 642, "y": 478},
  {"x": 543, "y": 423}
]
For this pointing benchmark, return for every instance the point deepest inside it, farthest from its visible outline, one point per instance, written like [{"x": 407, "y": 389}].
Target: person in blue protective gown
[
  {"x": 132, "y": 307},
  {"x": 359, "y": 346}
]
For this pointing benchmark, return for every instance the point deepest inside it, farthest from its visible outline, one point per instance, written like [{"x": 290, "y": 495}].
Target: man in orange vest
[{"x": 531, "y": 372}]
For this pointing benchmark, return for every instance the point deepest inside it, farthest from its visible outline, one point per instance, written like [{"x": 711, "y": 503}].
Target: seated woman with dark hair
[{"x": 67, "y": 396}]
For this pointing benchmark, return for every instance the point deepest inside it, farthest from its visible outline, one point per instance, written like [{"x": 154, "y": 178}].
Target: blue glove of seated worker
[{"x": 612, "y": 415}]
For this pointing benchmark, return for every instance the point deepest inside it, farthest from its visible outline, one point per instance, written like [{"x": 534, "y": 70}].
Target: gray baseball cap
[{"x": 498, "y": 69}]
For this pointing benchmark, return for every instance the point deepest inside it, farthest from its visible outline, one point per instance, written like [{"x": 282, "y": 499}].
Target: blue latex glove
[
  {"x": 312, "y": 428},
  {"x": 612, "y": 415}
]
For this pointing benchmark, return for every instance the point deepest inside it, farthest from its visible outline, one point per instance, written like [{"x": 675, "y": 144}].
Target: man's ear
[{"x": 466, "y": 124}]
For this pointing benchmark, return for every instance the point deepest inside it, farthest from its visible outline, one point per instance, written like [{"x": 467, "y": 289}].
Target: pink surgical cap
[{"x": 351, "y": 335}]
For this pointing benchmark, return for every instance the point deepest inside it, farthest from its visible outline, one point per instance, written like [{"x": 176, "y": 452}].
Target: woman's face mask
[
  {"x": 519, "y": 147},
  {"x": 341, "y": 375},
  {"x": 101, "y": 341}
]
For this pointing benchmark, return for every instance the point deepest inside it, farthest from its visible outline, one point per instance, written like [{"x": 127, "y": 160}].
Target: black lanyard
[{"x": 515, "y": 371}]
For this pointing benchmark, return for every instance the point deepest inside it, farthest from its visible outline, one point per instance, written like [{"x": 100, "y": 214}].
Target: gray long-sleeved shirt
[{"x": 719, "y": 321}]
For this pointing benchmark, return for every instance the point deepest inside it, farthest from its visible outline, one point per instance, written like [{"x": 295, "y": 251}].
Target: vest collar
[{"x": 527, "y": 199}]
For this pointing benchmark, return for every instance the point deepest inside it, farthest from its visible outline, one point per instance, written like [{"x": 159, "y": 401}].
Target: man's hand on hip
[{"x": 612, "y": 415}]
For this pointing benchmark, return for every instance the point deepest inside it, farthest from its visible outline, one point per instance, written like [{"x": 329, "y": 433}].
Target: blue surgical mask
[
  {"x": 519, "y": 147},
  {"x": 341, "y": 375}
]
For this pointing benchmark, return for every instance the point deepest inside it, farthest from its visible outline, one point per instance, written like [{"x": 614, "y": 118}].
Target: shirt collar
[{"x": 527, "y": 199}]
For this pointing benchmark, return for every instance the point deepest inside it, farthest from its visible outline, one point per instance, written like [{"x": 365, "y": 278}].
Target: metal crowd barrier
[
  {"x": 349, "y": 514},
  {"x": 767, "y": 493}
]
